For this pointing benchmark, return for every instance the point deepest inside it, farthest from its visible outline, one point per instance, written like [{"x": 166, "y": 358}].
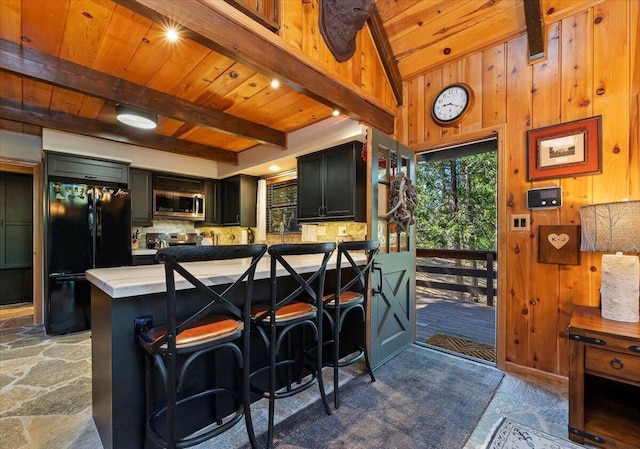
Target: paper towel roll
[{"x": 244, "y": 237}]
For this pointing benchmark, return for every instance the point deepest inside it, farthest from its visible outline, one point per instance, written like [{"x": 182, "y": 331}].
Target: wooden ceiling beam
[
  {"x": 33, "y": 115},
  {"x": 222, "y": 28},
  {"x": 535, "y": 29},
  {"x": 383, "y": 46},
  {"x": 24, "y": 61}
]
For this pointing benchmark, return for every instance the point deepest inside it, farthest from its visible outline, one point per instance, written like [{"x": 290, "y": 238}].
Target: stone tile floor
[{"x": 36, "y": 371}]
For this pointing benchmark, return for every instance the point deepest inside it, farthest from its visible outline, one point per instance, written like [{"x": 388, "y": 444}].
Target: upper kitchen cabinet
[
  {"x": 88, "y": 169},
  {"x": 212, "y": 203},
  {"x": 141, "y": 197},
  {"x": 332, "y": 184},
  {"x": 175, "y": 183},
  {"x": 238, "y": 200}
]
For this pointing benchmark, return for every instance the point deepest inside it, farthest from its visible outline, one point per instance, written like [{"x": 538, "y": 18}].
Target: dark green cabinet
[
  {"x": 238, "y": 198},
  {"x": 141, "y": 197},
  {"x": 176, "y": 183},
  {"x": 212, "y": 203},
  {"x": 331, "y": 184},
  {"x": 85, "y": 168},
  {"x": 16, "y": 221}
]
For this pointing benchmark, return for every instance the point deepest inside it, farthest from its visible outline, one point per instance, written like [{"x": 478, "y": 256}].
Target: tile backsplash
[{"x": 232, "y": 234}]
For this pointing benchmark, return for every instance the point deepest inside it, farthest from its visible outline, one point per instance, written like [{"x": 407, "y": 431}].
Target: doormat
[
  {"x": 513, "y": 435},
  {"x": 462, "y": 346}
]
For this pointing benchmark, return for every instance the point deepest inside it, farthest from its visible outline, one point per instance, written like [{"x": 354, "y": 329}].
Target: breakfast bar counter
[{"x": 119, "y": 297}]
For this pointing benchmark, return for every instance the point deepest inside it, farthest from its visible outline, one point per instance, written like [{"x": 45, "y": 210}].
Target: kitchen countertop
[
  {"x": 143, "y": 252},
  {"x": 121, "y": 282}
]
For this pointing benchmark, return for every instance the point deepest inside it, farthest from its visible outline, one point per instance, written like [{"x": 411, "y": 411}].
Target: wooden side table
[{"x": 604, "y": 380}]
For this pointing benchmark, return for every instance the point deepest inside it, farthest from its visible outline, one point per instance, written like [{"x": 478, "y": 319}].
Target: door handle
[{"x": 378, "y": 268}]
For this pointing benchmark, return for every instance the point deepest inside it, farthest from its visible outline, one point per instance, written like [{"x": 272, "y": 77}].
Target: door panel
[
  {"x": 16, "y": 221},
  {"x": 393, "y": 282}
]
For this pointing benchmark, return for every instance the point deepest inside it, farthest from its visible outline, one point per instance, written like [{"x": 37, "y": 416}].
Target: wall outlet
[
  {"x": 342, "y": 231},
  {"x": 519, "y": 222},
  {"x": 141, "y": 324}
]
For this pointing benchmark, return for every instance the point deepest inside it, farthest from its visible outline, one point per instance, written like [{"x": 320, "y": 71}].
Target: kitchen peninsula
[{"x": 118, "y": 297}]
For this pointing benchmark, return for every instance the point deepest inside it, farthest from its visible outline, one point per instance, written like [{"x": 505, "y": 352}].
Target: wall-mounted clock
[{"x": 452, "y": 104}]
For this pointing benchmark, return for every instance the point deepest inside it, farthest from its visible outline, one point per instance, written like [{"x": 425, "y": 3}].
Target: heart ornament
[{"x": 558, "y": 241}]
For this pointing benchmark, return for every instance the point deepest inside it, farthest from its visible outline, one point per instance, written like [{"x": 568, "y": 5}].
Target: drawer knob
[{"x": 616, "y": 363}]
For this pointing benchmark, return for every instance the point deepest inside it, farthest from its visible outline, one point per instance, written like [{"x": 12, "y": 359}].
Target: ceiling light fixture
[
  {"x": 274, "y": 168},
  {"x": 172, "y": 34},
  {"x": 275, "y": 83},
  {"x": 136, "y": 118},
  {"x": 336, "y": 112}
]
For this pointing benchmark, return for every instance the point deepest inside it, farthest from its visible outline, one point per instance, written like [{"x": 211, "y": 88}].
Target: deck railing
[{"x": 488, "y": 273}]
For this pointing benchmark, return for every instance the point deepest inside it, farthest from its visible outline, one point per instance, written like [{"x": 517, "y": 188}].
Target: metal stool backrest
[
  {"x": 173, "y": 257},
  {"x": 357, "y": 276},
  {"x": 309, "y": 288}
]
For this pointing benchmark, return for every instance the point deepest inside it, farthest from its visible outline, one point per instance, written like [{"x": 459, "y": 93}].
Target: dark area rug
[
  {"x": 421, "y": 399},
  {"x": 463, "y": 346}
]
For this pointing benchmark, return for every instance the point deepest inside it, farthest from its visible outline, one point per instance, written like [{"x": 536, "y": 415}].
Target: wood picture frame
[
  {"x": 564, "y": 150},
  {"x": 559, "y": 244}
]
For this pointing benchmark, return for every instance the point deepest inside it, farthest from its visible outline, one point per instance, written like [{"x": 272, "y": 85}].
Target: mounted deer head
[{"x": 340, "y": 21}]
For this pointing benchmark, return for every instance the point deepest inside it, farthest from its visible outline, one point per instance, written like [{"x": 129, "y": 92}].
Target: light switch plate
[{"x": 519, "y": 222}]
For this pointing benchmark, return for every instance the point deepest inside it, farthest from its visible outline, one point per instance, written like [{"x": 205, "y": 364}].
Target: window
[{"x": 282, "y": 206}]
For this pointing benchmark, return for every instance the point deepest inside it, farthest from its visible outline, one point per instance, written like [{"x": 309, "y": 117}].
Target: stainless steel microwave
[{"x": 183, "y": 205}]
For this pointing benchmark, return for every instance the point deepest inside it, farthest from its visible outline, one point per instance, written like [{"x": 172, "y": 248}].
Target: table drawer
[{"x": 612, "y": 363}]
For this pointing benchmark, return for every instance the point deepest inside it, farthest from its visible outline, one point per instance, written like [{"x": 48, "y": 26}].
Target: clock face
[{"x": 451, "y": 104}]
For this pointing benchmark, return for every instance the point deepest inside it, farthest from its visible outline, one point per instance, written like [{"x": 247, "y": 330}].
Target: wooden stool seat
[
  {"x": 292, "y": 311},
  {"x": 347, "y": 298},
  {"x": 206, "y": 330}
]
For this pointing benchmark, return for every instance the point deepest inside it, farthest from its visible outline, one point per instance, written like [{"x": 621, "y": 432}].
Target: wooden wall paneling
[
  {"x": 611, "y": 89},
  {"x": 494, "y": 86},
  {"x": 86, "y": 24},
  {"x": 545, "y": 294},
  {"x": 517, "y": 258},
  {"x": 555, "y": 10},
  {"x": 433, "y": 85},
  {"x": 634, "y": 100},
  {"x": 10, "y": 20},
  {"x": 450, "y": 74},
  {"x": 471, "y": 73},
  {"x": 505, "y": 25},
  {"x": 416, "y": 109},
  {"x": 291, "y": 25},
  {"x": 576, "y": 84}
]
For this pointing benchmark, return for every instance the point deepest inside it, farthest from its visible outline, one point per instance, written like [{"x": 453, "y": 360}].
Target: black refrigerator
[{"x": 88, "y": 226}]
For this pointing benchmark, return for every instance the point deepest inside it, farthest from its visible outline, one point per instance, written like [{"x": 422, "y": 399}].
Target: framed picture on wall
[{"x": 564, "y": 150}]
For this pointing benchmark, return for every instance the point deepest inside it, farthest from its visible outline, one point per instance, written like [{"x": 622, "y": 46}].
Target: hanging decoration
[
  {"x": 403, "y": 198},
  {"x": 340, "y": 21}
]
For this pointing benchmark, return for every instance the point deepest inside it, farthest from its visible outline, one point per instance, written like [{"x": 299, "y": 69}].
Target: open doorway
[
  {"x": 16, "y": 239},
  {"x": 456, "y": 234}
]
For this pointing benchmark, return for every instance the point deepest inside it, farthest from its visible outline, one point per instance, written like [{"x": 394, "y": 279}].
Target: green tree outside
[{"x": 457, "y": 203}]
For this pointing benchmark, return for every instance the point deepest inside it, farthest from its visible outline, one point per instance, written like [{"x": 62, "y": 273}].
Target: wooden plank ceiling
[{"x": 65, "y": 64}]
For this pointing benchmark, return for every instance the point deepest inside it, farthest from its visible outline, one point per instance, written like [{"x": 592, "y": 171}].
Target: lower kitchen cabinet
[{"x": 143, "y": 259}]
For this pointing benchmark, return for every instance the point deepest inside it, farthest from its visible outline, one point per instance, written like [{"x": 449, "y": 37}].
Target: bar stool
[
  {"x": 295, "y": 303},
  {"x": 351, "y": 291},
  {"x": 173, "y": 348}
]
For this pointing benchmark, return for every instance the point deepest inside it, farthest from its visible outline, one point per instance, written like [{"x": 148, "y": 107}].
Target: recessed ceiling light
[
  {"x": 136, "y": 118},
  {"x": 275, "y": 83},
  {"x": 336, "y": 112},
  {"x": 274, "y": 168},
  {"x": 172, "y": 34}
]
